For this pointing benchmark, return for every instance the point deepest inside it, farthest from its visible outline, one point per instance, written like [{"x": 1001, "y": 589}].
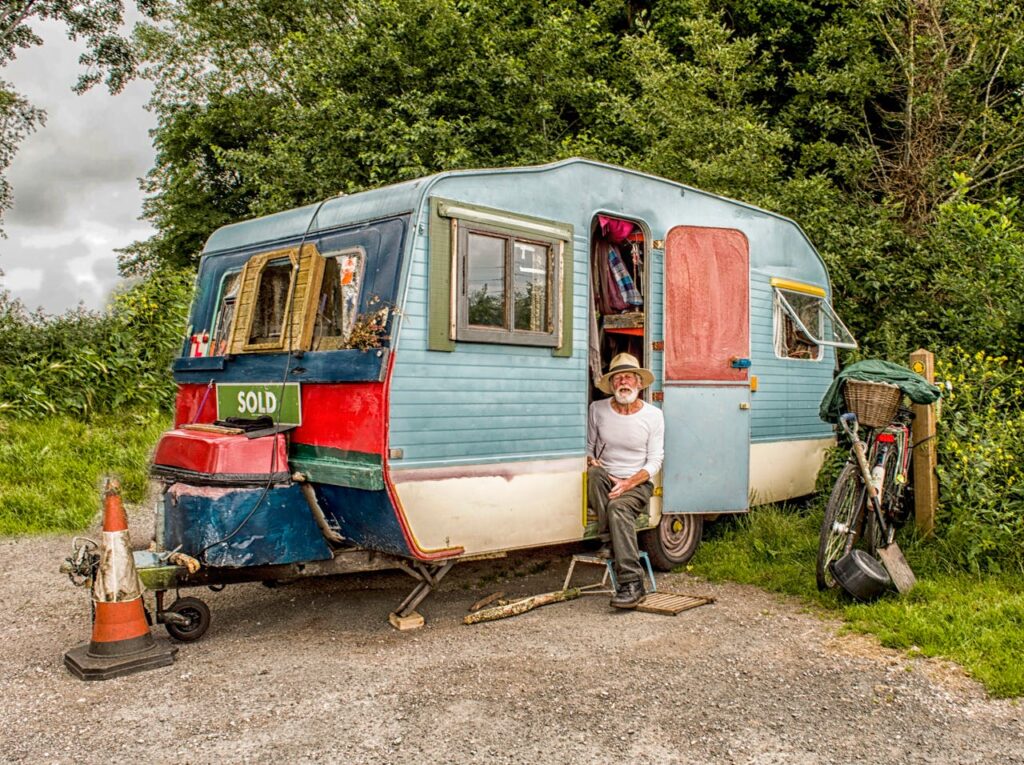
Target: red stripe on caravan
[
  {"x": 348, "y": 415},
  {"x": 119, "y": 621}
]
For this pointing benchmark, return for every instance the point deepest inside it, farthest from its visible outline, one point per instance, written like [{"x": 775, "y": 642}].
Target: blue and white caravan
[{"x": 432, "y": 347}]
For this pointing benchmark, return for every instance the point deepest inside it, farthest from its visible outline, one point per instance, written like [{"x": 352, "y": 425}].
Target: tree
[
  {"x": 852, "y": 117},
  {"x": 108, "y": 57}
]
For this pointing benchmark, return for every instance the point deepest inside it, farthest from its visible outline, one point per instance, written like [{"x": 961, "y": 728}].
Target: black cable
[{"x": 286, "y": 328}]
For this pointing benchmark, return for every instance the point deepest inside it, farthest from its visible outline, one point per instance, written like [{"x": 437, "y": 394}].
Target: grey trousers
[{"x": 618, "y": 517}]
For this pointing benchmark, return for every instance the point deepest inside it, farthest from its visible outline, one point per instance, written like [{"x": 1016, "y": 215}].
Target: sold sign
[{"x": 279, "y": 401}]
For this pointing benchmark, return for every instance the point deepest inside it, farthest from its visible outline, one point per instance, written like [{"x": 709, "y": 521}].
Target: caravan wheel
[{"x": 674, "y": 540}]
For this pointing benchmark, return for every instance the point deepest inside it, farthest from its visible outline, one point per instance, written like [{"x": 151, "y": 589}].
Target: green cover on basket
[{"x": 919, "y": 390}]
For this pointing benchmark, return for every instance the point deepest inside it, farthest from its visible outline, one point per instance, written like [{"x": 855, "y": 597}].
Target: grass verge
[
  {"x": 976, "y": 621},
  {"x": 51, "y": 468}
]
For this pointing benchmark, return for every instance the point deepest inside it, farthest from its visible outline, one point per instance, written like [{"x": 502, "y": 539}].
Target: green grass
[
  {"x": 51, "y": 469},
  {"x": 976, "y": 621}
]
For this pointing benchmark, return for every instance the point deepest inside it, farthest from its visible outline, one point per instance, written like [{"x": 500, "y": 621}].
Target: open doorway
[{"x": 618, "y": 288}]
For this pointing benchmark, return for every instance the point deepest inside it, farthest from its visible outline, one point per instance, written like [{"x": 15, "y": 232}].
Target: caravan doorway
[{"x": 618, "y": 289}]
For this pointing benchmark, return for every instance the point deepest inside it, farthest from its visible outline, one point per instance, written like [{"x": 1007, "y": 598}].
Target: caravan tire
[{"x": 674, "y": 540}]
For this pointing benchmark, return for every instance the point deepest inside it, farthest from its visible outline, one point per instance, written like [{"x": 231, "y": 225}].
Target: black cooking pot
[{"x": 861, "y": 575}]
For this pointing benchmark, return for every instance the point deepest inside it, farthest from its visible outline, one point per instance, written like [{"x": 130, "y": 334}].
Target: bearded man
[{"x": 625, "y": 450}]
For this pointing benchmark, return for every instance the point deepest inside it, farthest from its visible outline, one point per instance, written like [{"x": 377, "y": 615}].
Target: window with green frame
[{"x": 499, "y": 277}]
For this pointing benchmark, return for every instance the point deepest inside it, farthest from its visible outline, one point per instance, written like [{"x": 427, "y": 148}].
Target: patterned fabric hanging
[{"x": 628, "y": 293}]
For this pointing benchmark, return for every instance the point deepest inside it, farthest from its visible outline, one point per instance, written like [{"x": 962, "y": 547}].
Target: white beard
[{"x": 625, "y": 399}]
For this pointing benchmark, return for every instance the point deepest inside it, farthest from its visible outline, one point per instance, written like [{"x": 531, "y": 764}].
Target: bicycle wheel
[{"x": 844, "y": 517}]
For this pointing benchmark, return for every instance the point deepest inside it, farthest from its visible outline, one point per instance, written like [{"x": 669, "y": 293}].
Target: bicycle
[{"x": 866, "y": 514}]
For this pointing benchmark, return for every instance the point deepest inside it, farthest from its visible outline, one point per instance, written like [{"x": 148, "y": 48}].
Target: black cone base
[{"x": 88, "y": 666}]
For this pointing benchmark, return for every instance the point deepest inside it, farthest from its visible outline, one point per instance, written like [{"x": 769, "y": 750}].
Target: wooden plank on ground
[
  {"x": 671, "y": 603},
  {"x": 521, "y": 606},
  {"x": 486, "y": 601}
]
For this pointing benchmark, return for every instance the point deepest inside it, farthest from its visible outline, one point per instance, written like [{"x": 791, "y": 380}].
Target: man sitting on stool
[{"x": 625, "y": 449}]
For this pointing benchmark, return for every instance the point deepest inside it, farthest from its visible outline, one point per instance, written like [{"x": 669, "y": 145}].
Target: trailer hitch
[{"x": 81, "y": 565}]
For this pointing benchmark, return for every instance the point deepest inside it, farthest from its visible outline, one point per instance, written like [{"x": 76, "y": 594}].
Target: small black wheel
[
  {"x": 198, "y": 615},
  {"x": 674, "y": 540},
  {"x": 842, "y": 524}
]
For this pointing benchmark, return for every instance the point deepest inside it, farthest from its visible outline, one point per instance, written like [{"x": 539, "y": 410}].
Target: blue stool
[{"x": 609, "y": 574}]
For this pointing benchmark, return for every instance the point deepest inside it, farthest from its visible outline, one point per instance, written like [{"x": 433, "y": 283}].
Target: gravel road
[{"x": 312, "y": 672}]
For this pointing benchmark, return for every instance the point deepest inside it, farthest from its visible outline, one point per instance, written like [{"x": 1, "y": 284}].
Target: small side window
[
  {"x": 804, "y": 323},
  {"x": 273, "y": 311},
  {"x": 338, "y": 304},
  {"x": 229, "y": 286}
]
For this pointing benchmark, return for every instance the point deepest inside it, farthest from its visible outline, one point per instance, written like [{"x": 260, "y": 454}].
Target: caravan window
[
  {"x": 225, "y": 317},
  {"x": 804, "y": 322},
  {"x": 338, "y": 305},
  {"x": 271, "y": 304},
  {"x": 498, "y": 276},
  {"x": 507, "y": 287},
  {"x": 273, "y": 308}
]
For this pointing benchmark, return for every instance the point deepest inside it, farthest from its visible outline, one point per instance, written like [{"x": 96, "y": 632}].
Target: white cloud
[
  {"x": 24, "y": 278},
  {"x": 76, "y": 195}
]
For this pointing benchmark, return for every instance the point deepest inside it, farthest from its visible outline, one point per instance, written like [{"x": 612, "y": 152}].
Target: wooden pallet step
[{"x": 671, "y": 603}]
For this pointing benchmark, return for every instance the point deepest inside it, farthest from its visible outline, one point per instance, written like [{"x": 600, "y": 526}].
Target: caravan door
[{"x": 706, "y": 390}]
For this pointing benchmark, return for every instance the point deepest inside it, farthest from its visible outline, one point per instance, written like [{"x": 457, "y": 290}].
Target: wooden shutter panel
[
  {"x": 305, "y": 295},
  {"x": 246, "y": 302}
]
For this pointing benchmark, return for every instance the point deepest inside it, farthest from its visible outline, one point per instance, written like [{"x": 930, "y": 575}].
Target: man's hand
[
  {"x": 619, "y": 486},
  {"x": 594, "y": 462}
]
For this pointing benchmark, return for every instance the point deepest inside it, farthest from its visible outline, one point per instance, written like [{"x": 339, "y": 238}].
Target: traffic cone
[{"x": 121, "y": 641}]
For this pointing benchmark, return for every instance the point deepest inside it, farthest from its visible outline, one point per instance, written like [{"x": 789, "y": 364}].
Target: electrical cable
[{"x": 285, "y": 328}]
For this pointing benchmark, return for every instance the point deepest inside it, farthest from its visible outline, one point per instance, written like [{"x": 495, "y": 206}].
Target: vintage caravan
[{"x": 401, "y": 376}]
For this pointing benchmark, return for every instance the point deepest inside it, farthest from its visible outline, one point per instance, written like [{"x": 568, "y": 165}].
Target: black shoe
[{"x": 628, "y": 595}]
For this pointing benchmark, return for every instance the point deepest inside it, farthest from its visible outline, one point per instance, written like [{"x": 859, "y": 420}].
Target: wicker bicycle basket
[{"x": 874, "y": 403}]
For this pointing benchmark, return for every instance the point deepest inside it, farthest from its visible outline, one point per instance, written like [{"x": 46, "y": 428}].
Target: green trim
[
  {"x": 564, "y": 349},
  {"x": 441, "y": 254},
  {"x": 440, "y": 281},
  {"x": 321, "y": 464}
]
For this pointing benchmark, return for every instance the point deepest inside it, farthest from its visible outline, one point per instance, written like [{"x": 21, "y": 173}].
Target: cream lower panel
[
  {"x": 785, "y": 469},
  {"x": 485, "y": 508}
]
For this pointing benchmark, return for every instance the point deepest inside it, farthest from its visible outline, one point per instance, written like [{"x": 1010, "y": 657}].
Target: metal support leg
[{"x": 429, "y": 577}]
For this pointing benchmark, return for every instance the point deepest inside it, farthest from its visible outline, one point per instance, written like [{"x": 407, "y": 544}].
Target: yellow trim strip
[
  {"x": 807, "y": 289},
  {"x": 584, "y": 519}
]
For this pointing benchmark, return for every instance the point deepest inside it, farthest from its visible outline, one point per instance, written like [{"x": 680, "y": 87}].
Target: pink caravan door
[{"x": 707, "y": 353}]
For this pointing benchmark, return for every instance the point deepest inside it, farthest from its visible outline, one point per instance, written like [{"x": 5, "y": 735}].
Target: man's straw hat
[{"x": 624, "y": 362}]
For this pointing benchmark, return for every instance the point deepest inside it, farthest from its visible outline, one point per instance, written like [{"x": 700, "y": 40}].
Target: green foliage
[
  {"x": 981, "y": 463},
  {"x": 974, "y": 621},
  {"x": 82, "y": 363},
  {"x": 51, "y": 468}
]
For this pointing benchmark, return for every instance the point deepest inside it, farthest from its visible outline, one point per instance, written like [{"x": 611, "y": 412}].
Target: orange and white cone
[{"x": 121, "y": 641}]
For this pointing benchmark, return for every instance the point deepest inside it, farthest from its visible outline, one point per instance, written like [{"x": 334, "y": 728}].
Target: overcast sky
[{"x": 76, "y": 192}]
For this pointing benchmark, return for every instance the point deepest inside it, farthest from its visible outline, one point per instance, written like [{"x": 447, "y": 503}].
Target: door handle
[{"x": 744, "y": 405}]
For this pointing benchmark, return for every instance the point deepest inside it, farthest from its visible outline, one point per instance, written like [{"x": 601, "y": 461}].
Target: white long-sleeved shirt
[{"x": 626, "y": 443}]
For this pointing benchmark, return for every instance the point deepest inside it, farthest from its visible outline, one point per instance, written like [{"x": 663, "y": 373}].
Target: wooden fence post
[{"x": 926, "y": 482}]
